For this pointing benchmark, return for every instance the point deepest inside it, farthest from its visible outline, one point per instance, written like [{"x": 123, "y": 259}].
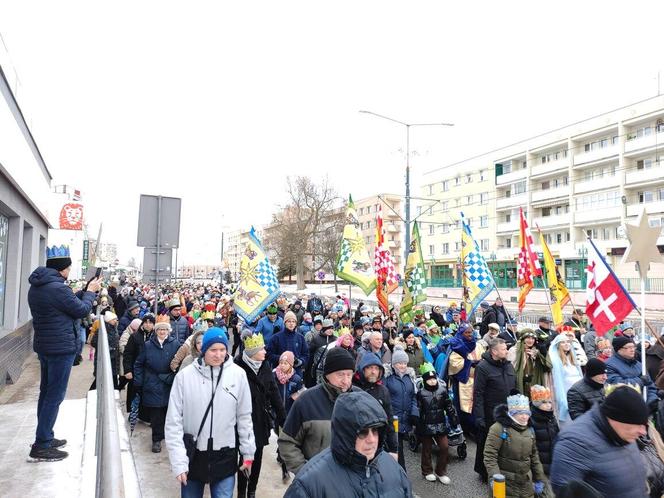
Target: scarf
[
  {"x": 283, "y": 377},
  {"x": 463, "y": 348},
  {"x": 253, "y": 364}
]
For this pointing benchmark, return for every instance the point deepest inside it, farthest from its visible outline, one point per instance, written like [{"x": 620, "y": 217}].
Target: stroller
[{"x": 455, "y": 435}]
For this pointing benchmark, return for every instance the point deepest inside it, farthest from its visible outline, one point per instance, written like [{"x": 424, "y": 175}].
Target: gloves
[
  {"x": 413, "y": 419},
  {"x": 538, "y": 487}
]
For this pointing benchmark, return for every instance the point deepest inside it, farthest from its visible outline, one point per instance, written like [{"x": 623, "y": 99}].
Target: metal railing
[{"x": 109, "y": 483}]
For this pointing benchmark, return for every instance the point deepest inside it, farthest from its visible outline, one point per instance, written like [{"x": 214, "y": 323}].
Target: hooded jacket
[
  {"x": 403, "y": 395},
  {"x": 307, "y": 431},
  {"x": 493, "y": 382},
  {"x": 55, "y": 308},
  {"x": 590, "y": 451},
  {"x": 621, "y": 370},
  {"x": 340, "y": 470},
  {"x": 379, "y": 392},
  {"x": 268, "y": 328},
  {"x": 511, "y": 450},
  {"x": 231, "y": 413},
  {"x": 152, "y": 371}
]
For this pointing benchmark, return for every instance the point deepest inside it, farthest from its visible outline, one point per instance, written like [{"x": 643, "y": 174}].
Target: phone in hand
[{"x": 98, "y": 272}]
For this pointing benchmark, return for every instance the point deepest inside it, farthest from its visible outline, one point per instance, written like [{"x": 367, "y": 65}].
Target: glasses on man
[{"x": 364, "y": 433}]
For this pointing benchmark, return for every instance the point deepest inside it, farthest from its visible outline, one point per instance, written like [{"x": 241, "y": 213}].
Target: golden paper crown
[
  {"x": 207, "y": 315},
  {"x": 609, "y": 388},
  {"x": 162, "y": 319},
  {"x": 254, "y": 341},
  {"x": 539, "y": 394}
]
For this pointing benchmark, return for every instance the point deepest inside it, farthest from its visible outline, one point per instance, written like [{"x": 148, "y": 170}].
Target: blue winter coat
[
  {"x": 124, "y": 322},
  {"x": 54, "y": 309},
  {"x": 288, "y": 340},
  {"x": 267, "y": 328},
  {"x": 404, "y": 401},
  {"x": 152, "y": 371},
  {"x": 622, "y": 371},
  {"x": 180, "y": 329},
  {"x": 588, "y": 450}
]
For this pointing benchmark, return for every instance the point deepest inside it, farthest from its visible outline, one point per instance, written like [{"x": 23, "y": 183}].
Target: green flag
[
  {"x": 353, "y": 263},
  {"x": 415, "y": 278}
]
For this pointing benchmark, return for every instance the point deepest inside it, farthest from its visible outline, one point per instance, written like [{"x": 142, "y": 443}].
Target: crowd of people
[{"x": 347, "y": 389}]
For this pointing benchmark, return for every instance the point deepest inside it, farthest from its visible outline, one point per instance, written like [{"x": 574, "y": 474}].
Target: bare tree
[{"x": 297, "y": 234}]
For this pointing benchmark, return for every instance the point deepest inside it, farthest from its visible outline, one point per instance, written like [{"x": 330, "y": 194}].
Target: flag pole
[
  {"x": 643, "y": 328},
  {"x": 544, "y": 282}
]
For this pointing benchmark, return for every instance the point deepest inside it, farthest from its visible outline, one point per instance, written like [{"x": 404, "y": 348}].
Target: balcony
[
  {"x": 552, "y": 221},
  {"x": 507, "y": 254},
  {"x": 551, "y": 193},
  {"x": 549, "y": 168},
  {"x": 507, "y": 227},
  {"x": 596, "y": 184},
  {"x": 636, "y": 209},
  {"x": 646, "y": 142},
  {"x": 392, "y": 228},
  {"x": 513, "y": 201},
  {"x": 592, "y": 215},
  {"x": 644, "y": 176},
  {"x": 519, "y": 174},
  {"x": 596, "y": 155}
]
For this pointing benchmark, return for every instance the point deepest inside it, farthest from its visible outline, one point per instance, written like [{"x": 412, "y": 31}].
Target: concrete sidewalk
[{"x": 18, "y": 406}]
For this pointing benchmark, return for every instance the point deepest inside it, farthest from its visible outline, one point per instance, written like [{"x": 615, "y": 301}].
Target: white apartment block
[
  {"x": 393, "y": 226},
  {"x": 585, "y": 179}
]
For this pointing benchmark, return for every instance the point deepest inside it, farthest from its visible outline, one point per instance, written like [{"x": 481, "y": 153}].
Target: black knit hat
[
  {"x": 595, "y": 366},
  {"x": 58, "y": 264},
  {"x": 338, "y": 359},
  {"x": 620, "y": 342},
  {"x": 625, "y": 405}
]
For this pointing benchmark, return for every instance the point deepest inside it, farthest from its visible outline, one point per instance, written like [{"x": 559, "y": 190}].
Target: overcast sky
[{"x": 218, "y": 102}]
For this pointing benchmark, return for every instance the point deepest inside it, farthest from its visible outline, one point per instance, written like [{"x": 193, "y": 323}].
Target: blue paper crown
[{"x": 57, "y": 252}]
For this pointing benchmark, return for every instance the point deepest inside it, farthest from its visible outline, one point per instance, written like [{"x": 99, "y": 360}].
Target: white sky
[{"x": 218, "y": 102}]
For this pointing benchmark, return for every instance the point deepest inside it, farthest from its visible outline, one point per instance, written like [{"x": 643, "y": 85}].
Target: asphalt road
[{"x": 465, "y": 482}]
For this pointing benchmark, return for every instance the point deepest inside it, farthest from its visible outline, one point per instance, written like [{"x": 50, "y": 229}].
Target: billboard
[{"x": 71, "y": 216}]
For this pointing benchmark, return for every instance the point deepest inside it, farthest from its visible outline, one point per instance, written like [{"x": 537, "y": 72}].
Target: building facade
[
  {"x": 392, "y": 212},
  {"x": 586, "y": 179},
  {"x": 24, "y": 198}
]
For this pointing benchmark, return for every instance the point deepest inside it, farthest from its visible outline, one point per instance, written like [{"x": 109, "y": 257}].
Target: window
[
  {"x": 559, "y": 238},
  {"x": 4, "y": 230},
  {"x": 419, "y": 210},
  {"x": 646, "y": 196},
  {"x": 546, "y": 211},
  {"x": 484, "y": 245},
  {"x": 361, "y": 211},
  {"x": 443, "y": 206},
  {"x": 446, "y": 228},
  {"x": 482, "y": 175},
  {"x": 446, "y": 185},
  {"x": 592, "y": 233},
  {"x": 431, "y": 229},
  {"x": 431, "y": 250},
  {"x": 519, "y": 187},
  {"x": 508, "y": 217},
  {"x": 361, "y": 225},
  {"x": 546, "y": 185},
  {"x": 484, "y": 197},
  {"x": 430, "y": 189},
  {"x": 446, "y": 247},
  {"x": 457, "y": 224},
  {"x": 614, "y": 140},
  {"x": 606, "y": 233},
  {"x": 469, "y": 200},
  {"x": 457, "y": 246},
  {"x": 469, "y": 221},
  {"x": 484, "y": 221},
  {"x": 643, "y": 132},
  {"x": 508, "y": 242},
  {"x": 469, "y": 178},
  {"x": 568, "y": 237},
  {"x": 457, "y": 181},
  {"x": 644, "y": 164}
]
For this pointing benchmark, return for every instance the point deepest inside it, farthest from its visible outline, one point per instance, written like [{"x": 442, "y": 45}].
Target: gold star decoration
[{"x": 642, "y": 244}]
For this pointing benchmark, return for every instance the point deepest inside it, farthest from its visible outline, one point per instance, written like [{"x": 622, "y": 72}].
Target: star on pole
[{"x": 642, "y": 248}]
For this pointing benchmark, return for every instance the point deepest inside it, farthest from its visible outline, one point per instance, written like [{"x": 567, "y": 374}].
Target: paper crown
[
  {"x": 57, "y": 252},
  {"x": 564, "y": 329},
  {"x": 426, "y": 368},
  {"x": 609, "y": 388},
  {"x": 210, "y": 306},
  {"x": 254, "y": 341},
  {"x": 162, "y": 319},
  {"x": 272, "y": 309},
  {"x": 173, "y": 303},
  {"x": 431, "y": 325},
  {"x": 539, "y": 394},
  {"x": 207, "y": 315},
  {"x": 518, "y": 403}
]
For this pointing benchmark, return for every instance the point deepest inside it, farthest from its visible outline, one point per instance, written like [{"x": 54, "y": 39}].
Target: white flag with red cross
[{"x": 607, "y": 301}]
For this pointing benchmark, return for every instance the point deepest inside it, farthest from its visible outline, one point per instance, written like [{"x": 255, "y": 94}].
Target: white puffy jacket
[{"x": 190, "y": 396}]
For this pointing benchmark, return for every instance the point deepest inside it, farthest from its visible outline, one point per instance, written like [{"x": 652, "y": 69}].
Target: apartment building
[
  {"x": 392, "y": 223},
  {"x": 585, "y": 179}
]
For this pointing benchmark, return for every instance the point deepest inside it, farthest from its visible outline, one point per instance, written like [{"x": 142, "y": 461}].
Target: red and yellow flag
[
  {"x": 528, "y": 264},
  {"x": 387, "y": 279}
]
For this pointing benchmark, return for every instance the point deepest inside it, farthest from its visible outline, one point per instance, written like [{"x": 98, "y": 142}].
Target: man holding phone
[{"x": 55, "y": 310}]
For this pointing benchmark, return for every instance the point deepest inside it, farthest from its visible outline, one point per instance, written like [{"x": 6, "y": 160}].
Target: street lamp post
[{"x": 407, "y": 210}]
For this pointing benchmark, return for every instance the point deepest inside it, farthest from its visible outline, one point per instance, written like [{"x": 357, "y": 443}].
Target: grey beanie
[{"x": 399, "y": 355}]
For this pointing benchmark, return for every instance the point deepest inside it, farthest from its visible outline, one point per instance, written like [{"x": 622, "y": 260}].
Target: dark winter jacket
[
  {"x": 583, "y": 395},
  {"x": 135, "y": 345},
  {"x": 55, "y": 308},
  {"x": 380, "y": 392},
  {"x": 436, "y": 410},
  {"x": 314, "y": 305},
  {"x": 493, "y": 382},
  {"x": 292, "y": 386},
  {"x": 306, "y": 431},
  {"x": 620, "y": 370},
  {"x": 317, "y": 348},
  {"x": 341, "y": 471},
  {"x": 152, "y": 371},
  {"x": 439, "y": 319},
  {"x": 546, "y": 430},
  {"x": 125, "y": 320},
  {"x": 511, "y": 450},
  {"x": 288, "y": 340},
  {"x": 180, "y": 329},
  {"x": 113, "y": 349},
  {"x": 654, "y": 357},
  {"x": 264, "y": 398},
  {"x": 588, "y": 450},
  {"x": 404, "y": 401}
]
